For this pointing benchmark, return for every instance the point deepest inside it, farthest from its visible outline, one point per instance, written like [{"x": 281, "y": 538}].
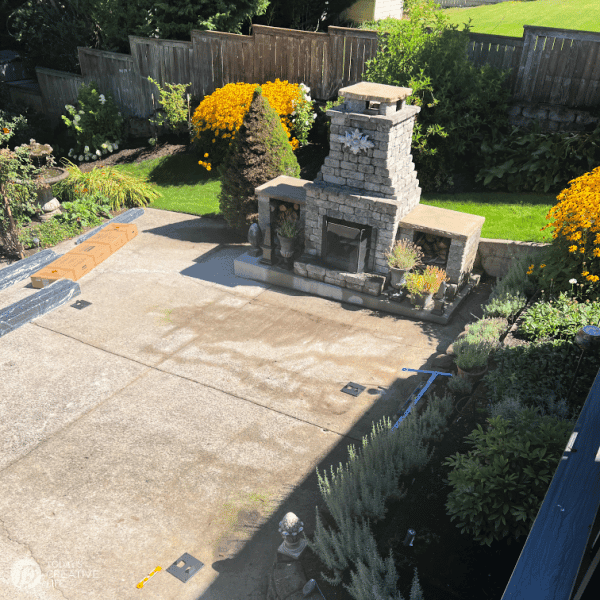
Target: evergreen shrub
[{"x": 260, "y": 152}]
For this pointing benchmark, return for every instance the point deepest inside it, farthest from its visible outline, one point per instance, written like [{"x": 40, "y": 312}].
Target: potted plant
[
  {"x": 48, "y": 174},
  {"x": 287, "y": 232},
  {"x": 405, "y": 255},
  {"x": 422, "y": 286},
  {"x": 472, "y": 356}
]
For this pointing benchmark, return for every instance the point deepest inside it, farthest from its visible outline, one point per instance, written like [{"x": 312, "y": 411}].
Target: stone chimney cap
[{"x": 375, "y": 92}]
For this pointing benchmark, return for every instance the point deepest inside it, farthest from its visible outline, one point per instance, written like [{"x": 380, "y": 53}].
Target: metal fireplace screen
[{"x": 346, "y": 245}]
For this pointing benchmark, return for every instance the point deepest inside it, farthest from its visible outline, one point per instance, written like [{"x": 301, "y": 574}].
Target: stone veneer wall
[
  {"x": 550, "y": 117},
  {"x": 386, "y": 170},
  {"x": 332, "y": 201}
]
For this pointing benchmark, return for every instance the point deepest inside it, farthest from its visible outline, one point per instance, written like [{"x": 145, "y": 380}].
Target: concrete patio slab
[{"x": 183, "y": 410}]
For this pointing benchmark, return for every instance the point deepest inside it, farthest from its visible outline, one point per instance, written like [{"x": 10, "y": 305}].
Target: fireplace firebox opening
[{"x": 345, "y": 245}]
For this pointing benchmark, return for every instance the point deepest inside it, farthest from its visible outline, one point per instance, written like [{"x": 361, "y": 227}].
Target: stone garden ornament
[{"x": 290, "y": 528}]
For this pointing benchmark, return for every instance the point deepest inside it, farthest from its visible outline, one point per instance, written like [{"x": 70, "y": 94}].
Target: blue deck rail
[{"x": 549, "y": 563}]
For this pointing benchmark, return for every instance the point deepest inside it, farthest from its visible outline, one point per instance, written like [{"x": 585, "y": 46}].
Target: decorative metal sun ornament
[{"x": 355, "y": 141}]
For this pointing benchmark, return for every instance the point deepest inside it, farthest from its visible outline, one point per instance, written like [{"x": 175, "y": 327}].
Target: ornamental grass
[
  {"x": 219, "y": 116},
  {"x": 123, "y": 190}
]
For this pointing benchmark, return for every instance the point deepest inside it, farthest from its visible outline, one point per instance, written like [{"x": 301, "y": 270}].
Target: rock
[
  {"x": 51, "y": 205},
  {"x": 288, "y": 577},
  {"x": 48, "y": 215},
  {"x": 443, "y": 361}
]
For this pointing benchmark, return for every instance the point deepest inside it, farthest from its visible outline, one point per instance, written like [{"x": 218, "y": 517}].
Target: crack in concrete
[{"x": 27, "y": 547}]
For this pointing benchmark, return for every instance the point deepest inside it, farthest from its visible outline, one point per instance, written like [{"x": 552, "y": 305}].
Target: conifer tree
[{"x": 261, "y": 151}]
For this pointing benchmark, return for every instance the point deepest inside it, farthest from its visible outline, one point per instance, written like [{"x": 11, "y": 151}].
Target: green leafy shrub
[
  {"x": 539, "y": 373},
  {"x": 357, "y": 491},
  {"x": 85, "y": 212},
  {"x": 48, "y": 234},
  {"x": 461, "y": 104},
  {"x": 95, "y": 124},
  {"x": 17, "y": 194},
  {"x": 121, "y": 189},
  {"x": 260, "y": 152},
  {"x": 499, "y": 485},
  {"x": 537, "y": 162},
  {"x": 173, "y": 109},
  {"x": 560, "y": 318}
]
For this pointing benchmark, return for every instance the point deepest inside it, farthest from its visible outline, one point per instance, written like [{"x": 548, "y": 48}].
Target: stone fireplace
[{"x": 365, "y": 197}]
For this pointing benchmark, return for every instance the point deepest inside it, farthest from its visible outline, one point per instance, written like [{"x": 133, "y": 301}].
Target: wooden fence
[
  {"x": 553, "y": 66},
  {"x": 559, "y": 66}
]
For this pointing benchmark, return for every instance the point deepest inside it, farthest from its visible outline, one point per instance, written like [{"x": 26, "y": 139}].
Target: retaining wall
[{"x": 495, "y": 256}]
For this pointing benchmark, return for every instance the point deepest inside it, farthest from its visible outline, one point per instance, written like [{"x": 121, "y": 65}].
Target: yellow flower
[
  {"x": 573, "y": 248},
  {"x": 542, "y": 266},
  {"x": 585, "y": 273},
  {"x": 206, "y": 155},
  {"x": 593, "y": 278},
  {"x": 5, "y": 130}
]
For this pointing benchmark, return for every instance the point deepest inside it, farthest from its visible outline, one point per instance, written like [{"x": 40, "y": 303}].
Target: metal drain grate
[
  {"x": 80, "y": 304},
  {"x": 190, "y": 567},
  {"x": 354, "y": 389}
]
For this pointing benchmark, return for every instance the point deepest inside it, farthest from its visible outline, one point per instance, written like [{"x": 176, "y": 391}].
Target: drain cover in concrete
[
  {"x": 186, "y": 571},
  {"x": 80, "y": 304},
  {"x": 354, "y": 389}
]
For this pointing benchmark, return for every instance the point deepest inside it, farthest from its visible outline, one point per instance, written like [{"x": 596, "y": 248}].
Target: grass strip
[
  {"x": 184, "y": 186},
  {"x": 508, "y": 18},
  {"x": 517, "y": 217}
]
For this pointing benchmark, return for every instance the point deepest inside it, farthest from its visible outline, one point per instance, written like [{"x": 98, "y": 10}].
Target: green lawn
[
  {"x": 507, "y": 216},
  {"x": 184, "y": 185},
  {"x": 508, "y": 18},
  {"x": 188, "y": 188}
]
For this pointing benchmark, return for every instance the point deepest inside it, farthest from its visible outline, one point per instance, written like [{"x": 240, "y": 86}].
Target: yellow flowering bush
[
  {"x": 427, "y": 282},
  {"x": 219, "y": 116},
  {"x": 575, "y": 224}
]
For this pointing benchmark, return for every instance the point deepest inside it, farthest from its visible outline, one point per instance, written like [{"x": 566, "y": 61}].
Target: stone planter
[
  {"x": 45, "y": 184},
  {"x": 287, "y": 245},
  {"x": 420, "y": 300},
  {"x": 397, "y": 277}
]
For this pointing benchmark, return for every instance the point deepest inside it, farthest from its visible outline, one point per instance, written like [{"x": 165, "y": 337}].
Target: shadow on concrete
[
  {"x": 260, "y": 550},
  {"x": 201, "y": 230}
]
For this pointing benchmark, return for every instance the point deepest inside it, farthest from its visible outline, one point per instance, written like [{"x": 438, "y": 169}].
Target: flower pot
[
  {"x": 287, "y": 245},
  {"x": 472, "y": 375},
  {"x": 397, "y": 277},
  {"x": 420, "y": 300}
]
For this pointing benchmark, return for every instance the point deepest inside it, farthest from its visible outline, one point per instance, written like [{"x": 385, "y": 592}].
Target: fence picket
[{"x": 548, "y": 64}]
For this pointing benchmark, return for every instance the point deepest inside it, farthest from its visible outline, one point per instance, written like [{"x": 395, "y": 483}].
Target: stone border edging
[
  {"x": 25, "y": 267},
  {"x": 37, "y": 305},
  {"x": 127, "y": 217},
  {"x": 286, "y": 579},
  {"x": 495, "y": 256}
]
